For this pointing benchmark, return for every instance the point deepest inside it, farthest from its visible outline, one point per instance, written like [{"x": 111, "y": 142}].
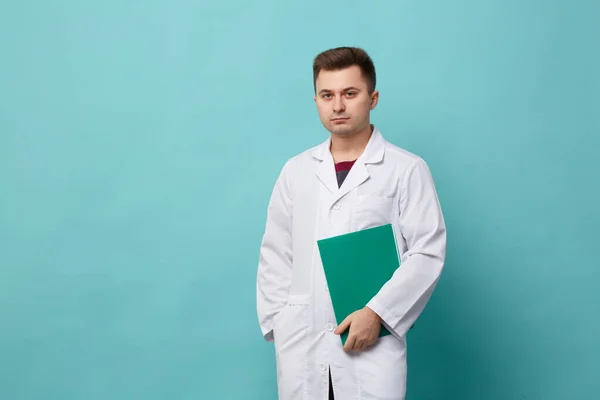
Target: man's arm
[
  {"x": 402, "y": 299},
  {"x": 275, "y": 258}
]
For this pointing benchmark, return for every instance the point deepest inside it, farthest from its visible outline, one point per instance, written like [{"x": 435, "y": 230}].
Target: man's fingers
[
  {"x": 359, "y": 345},
  {"x": 355, "y": 345},
  {"x": 365, "y": 345},
  {"x": 350, "y": 343}
]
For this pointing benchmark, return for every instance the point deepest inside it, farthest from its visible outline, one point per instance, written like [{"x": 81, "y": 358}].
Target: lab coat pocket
[
  {"x": 372, "y": 211},
  {"x": 290, "y": 340}
]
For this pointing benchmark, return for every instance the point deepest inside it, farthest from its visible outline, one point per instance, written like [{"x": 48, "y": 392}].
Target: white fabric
[{"x": 386, "y": 184}]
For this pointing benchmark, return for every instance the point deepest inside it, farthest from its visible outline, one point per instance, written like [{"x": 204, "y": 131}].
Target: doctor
[{"x": 354, "y": 180}]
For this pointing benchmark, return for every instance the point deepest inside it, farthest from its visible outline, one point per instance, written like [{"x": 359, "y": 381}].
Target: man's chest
[{"x": 326, "y": 212}]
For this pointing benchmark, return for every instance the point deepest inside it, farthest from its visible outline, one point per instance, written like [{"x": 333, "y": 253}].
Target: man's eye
[
  {"x": 350, "y": 94},
  {"x": 327, "y": 95}
]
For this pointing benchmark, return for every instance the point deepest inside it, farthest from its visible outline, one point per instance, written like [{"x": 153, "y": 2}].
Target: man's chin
[{"x": 343, "y": 131}]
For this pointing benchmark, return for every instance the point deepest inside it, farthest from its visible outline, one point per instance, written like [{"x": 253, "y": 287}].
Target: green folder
[{"x": 356, "y": 266}]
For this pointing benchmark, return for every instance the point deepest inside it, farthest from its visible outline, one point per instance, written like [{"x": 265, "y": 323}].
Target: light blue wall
[{"x": 139, "y": 142}]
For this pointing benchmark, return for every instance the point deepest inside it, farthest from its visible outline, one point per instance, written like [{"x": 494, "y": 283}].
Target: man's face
[{"x": 343, "y": 101}]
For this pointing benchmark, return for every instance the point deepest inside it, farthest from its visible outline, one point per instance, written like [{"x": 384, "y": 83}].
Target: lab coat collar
[{"x": 373, "y": 153}]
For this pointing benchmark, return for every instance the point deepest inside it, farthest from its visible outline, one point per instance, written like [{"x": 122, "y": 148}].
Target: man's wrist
[{"x": 373, "y": 313}]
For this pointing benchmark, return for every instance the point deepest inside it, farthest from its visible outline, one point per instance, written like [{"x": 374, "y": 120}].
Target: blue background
[{"x": 139, "y": 142}]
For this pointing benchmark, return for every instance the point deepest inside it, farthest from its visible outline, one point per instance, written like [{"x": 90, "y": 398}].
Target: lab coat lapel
[
  {"x": 326, "y": 169},
  {"x": 358, "y": 173},
  {"x": 326, "y": 173}
]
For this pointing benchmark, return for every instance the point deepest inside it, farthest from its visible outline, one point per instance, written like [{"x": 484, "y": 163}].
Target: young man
[{"x": 352, "y": 181}]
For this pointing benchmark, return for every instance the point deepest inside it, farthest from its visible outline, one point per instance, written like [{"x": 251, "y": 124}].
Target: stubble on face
[{"x": 343, "y": 101}]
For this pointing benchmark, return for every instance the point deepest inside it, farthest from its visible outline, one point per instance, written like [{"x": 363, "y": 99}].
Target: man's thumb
[{"x": 344, "y": 325}]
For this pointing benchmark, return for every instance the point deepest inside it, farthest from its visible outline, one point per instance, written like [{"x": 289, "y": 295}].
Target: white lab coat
[{"x": 386, "y": 185}]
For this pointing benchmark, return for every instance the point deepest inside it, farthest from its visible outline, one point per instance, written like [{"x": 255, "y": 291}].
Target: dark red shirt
[{"x": 342, "y": 169}]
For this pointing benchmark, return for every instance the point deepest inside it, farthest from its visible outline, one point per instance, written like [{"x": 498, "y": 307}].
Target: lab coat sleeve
[
  {"x": 402, "y": 299},
  {"x": 275, "y": 256}
]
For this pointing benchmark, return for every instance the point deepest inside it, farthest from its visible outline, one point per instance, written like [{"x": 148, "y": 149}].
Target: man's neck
[{"x": 349, "y": 148}]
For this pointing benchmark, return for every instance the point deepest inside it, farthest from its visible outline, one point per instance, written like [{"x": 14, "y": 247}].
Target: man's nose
[{"x": 338, "y": 105}]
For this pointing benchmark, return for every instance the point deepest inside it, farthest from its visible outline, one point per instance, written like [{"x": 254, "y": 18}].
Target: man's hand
[{"x": 364, "y": 326}]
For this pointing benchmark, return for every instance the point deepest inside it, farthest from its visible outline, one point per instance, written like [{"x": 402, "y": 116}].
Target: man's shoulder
[
  {"x": 400, "y": 156},
  {"x": 299, "y": 161}
]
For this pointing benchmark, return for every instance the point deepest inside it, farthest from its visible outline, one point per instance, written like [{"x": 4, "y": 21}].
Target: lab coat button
[
  {"x": 323, "y": 367},
  {"x": 329, "y": 327},
  {"x": 337, "y": 206}
]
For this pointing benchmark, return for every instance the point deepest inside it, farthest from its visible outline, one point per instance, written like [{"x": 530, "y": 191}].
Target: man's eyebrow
[{"x": 344, "y": 90}]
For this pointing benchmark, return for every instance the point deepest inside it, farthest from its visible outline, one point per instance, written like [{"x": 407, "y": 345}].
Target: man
[{"x": 352, "y": 181}]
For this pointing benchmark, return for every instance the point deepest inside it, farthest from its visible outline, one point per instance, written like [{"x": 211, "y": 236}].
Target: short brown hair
[{"x": 345, "y": 57}]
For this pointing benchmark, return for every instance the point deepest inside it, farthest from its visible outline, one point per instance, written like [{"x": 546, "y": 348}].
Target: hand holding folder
[{"x": 356, "y": 266}]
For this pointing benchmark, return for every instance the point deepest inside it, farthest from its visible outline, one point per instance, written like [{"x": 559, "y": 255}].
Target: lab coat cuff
[
  {"x": 267, "y": 334},
  {"x": 387, "y": 316}
]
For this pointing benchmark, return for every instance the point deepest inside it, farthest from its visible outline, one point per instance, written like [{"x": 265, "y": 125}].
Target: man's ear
[{"x": 374, "y": 99}]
